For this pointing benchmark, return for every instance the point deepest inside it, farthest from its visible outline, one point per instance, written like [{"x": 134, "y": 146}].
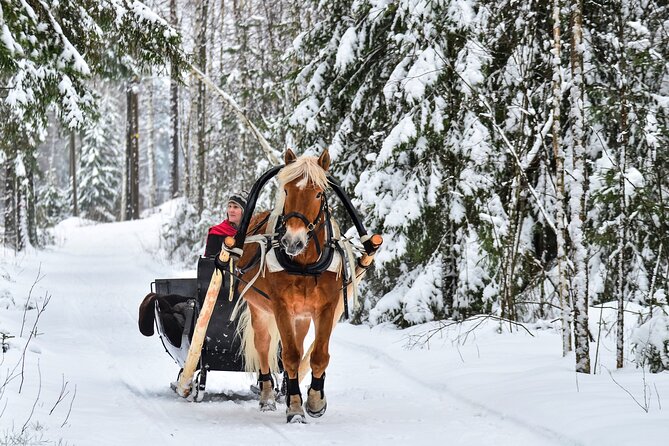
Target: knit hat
[{"x": 238, "y": 200}]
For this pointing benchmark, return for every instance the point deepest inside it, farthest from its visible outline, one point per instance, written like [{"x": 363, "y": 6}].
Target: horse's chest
[{"x": 305, "y": 295}]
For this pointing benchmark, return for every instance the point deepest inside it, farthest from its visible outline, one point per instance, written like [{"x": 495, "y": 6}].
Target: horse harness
[{"x": 272, "y": 257}]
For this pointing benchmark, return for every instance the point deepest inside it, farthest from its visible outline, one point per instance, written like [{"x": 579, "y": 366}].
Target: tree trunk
[
  {"x": 558, "y": 153},
  {"x": 174, "y": 110},
  {"x": 622, "y": 140},
  {"x": 150, "y": 150},
  {"x": 30, "y": 205},
  {"x": 201, "y": 106},
  {"x": 10, "y": 204},
  {"x": 577, "y": 195},
  {"x": 132, "y": 151},
  {"x": 73, "y": 173}
]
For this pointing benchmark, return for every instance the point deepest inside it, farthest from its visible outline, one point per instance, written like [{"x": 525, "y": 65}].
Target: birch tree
[
  {"x": 558, "y": 153},
  {"x": 576, "y": 188}
]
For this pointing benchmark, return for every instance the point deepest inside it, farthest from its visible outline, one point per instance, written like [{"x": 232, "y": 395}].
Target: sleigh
[
  {"x": 174, "y": 306},
  {"x": 318, "y": 285}
]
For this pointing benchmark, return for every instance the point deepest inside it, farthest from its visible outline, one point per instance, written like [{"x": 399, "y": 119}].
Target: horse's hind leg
[
  {"x": 320, "y": 357},
  {"x": 262, "y": 339}
]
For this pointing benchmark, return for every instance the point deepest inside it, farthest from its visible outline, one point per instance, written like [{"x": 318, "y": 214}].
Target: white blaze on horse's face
[
  {"x": 302, "y": 207},
  {"x": 300, "y": 196}
]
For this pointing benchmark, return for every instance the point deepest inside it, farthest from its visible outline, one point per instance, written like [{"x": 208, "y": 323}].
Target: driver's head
[{"x": 236, "y": 205}]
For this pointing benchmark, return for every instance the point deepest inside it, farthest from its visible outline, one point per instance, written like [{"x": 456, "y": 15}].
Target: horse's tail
[{"x": 248, "y": 348}]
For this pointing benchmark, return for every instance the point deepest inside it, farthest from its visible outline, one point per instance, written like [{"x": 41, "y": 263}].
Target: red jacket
[
  {"x": 224, "y": 229},
  {"x": 216, "y": 236}
]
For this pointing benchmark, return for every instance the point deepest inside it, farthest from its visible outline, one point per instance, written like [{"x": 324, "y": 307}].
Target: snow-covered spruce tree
[
  {"x": 52, "y": 203},
  {"x": 390, "y": 88},
  {"x": 249, "y": 64},
  {"x": 100, "y": 165},
  {"x": 184, "y": 235},
  {"x": 521, "y": 118},
  {"x": 628, "y": 185}
]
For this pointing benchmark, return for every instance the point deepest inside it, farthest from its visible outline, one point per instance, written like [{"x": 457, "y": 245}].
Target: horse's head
[{"x": 301, "y": 195}]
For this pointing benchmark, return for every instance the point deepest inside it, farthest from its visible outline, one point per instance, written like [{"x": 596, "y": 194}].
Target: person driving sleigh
[{"x": 227, "y": 227}]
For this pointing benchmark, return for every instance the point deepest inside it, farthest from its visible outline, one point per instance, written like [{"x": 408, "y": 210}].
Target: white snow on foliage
[
  {"x": 469, "y": 64},
  {"x": 346, "y": 53},
  {"x": 398, "y": 74},
  {"x": 402, "y": 133},
  {"x": 472, "y": 275},
  {"x": 651, "y": 339},
  {"x": 6, "y": 38},
  {"x": 423, "y": 73},
  {"x": 415, "y": 297}
]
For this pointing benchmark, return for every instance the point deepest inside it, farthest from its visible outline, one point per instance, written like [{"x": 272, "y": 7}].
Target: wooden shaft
[{"x": 184, "y": 386}]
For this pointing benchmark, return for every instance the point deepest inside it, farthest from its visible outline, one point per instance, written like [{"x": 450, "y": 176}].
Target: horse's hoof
[
  {"x": 267, "y": 396},
  {"x": 316, "y": 413},
  {"x": 296, "y": 418},
  {"x": 294, "y": 411},
  {"x": 267, "y": 406},
  {"x": 315, "y": 405}
]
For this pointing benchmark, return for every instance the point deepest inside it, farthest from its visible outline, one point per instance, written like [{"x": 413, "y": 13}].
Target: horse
[{"x": 292, "y": 301}]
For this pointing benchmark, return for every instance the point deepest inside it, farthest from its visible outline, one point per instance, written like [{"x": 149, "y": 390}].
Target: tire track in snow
[{"x": 394, "y": 367}]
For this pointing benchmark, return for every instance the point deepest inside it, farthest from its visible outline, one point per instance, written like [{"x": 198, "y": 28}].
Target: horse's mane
[{"x": 307, "y": 168}]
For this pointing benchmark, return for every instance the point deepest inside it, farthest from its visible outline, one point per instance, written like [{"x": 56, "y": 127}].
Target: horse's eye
[
  {"x": 285, "y": 192},
  {"x": 319, "y": 195}
]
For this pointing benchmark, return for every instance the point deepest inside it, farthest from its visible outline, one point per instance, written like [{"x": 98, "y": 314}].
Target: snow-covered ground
[{"x": 470, "y": 384}]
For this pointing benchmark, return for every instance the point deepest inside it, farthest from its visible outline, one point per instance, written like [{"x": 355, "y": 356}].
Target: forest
[{"x": 510, "y": 153}]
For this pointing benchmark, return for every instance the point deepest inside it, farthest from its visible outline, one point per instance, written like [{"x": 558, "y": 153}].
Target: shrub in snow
[
  {"x": 650, "y": 343},
  {"x": 186, "y": 233},
  {"x": 53, "y": 205}
]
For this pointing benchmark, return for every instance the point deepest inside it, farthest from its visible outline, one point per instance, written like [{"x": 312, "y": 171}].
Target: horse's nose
[
  {"x": 299, "y": 246},
  {"x": 291, "y": 245}
]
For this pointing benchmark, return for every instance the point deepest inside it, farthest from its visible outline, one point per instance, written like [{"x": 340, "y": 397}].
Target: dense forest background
[{"x": 512, "y": 154}]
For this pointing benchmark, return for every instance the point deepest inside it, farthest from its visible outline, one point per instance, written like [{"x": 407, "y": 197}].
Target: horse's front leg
[
  {"x": 290, "y": 355},
  {"x": 320, "y": 357}
]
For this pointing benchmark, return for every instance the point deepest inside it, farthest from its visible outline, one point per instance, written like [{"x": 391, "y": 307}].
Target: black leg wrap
[
  {"x": 293, "y": 389},
  {"x": 266, "y": 377},
  {"x": 318, "y": 384},
  {"x": 293, "y": 386}
]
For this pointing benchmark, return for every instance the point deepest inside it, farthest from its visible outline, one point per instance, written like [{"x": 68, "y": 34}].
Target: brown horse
[{"x": 294, "y": 300}]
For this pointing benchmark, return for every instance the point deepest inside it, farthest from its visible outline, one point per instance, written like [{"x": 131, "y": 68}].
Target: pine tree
[{"x": 100, "y": 173}]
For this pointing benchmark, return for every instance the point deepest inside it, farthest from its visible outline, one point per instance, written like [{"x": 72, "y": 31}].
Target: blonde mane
[{"x": 307, "y": 168}]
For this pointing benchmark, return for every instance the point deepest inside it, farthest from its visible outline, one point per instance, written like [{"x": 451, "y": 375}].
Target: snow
[
  {"x": 404, "y": 131},
  {"x": 475, "y": 383},
  {"x": 6, "y": 38},
  {"x": 346, "y": 53},
  {"x": 423, "y": 73}
]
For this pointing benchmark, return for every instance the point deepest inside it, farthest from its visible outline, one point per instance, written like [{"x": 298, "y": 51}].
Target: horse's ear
[
  {"x": 289, "y": 157},
  {"x": 324, "y": 160}
]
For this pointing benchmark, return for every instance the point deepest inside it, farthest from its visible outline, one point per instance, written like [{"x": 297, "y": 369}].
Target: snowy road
[{"x": 378, "y": 391}]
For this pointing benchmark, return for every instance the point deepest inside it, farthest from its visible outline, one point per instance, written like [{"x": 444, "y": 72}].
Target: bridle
[{"x": 313, "y": 227}]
